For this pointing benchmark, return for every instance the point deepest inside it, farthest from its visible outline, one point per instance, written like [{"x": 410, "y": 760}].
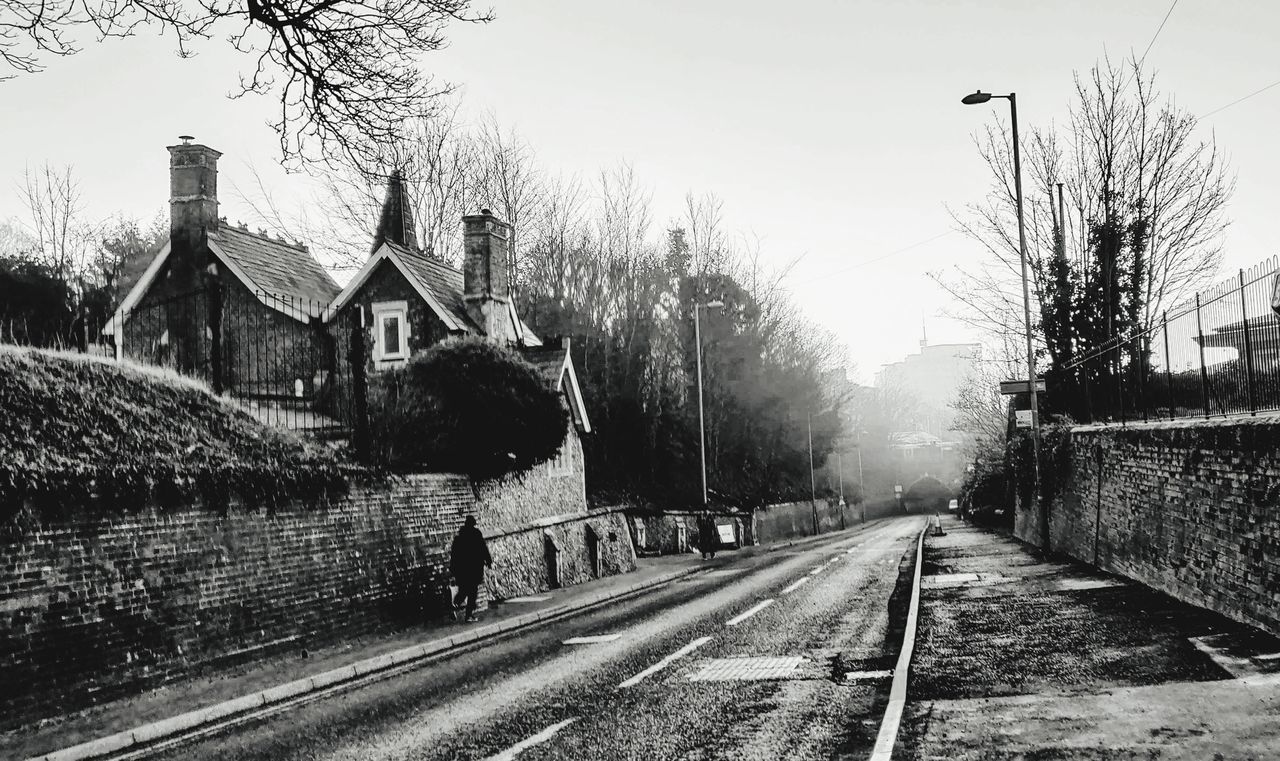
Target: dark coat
[
  {"x": 708, "y": 539},
  {"x": 469, "y": 555}
]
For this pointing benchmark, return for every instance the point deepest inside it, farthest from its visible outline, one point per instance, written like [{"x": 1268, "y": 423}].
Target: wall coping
[
  {"x": 555, "y": 520},
  {"x": 1227, "y": 421}
]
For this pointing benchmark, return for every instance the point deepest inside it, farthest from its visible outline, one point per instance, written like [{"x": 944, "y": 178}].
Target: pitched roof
[
  {"x": 444, "y": 282},
  {"x": 282, "y": 275},
  {"x": 274, "y": 266},
  {"x": 555, "y": 365},
  {"x": 440, "y": 285}
]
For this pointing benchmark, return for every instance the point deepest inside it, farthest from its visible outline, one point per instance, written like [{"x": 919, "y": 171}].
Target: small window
[{"x": 391, "y": 331}]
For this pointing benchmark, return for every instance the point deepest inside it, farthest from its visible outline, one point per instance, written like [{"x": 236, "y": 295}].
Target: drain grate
[{"x": 747, "y": 669}]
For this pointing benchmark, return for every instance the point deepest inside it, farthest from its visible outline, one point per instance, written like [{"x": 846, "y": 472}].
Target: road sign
[
  {"x": 1021, "y": 387},
  {"x": 1022, "y": 418}
]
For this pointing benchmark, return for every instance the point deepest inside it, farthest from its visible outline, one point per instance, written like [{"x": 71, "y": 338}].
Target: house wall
[
  {"x": 1187, "y": 507},
  {"x": 547, "y": 506},
  {"x": 386, "y": 283},
  {"x": 263, "y": 350}
]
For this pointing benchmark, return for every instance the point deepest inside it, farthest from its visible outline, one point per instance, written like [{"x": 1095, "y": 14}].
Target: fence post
[
  {"x": 359, "y": 388},
  {"x": 1168, "y": 373},
  {"x": 1142, "y": 373},
  {"x": 1204, "y": 374},
  {"x": 215, "y": 336},
  {"x": 1248, "y": 348}
]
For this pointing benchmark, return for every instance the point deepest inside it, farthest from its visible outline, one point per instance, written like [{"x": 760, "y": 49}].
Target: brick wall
[
  {"x": 1191, "y": 508},
  {"x": 94, "y": 608}
]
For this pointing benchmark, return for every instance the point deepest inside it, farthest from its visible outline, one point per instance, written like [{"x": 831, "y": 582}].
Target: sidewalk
[
  {"x": 1022, "y": 658},
  {"x": 177, "y": 707}
]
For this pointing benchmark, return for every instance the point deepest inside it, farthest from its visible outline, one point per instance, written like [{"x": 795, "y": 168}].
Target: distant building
[{"x": 933, "y": 377}]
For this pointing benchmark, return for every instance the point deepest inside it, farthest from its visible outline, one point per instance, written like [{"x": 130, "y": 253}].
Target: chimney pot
[
  {"x": 186, "y": 139},
  {"x": 486, "y": 211}
]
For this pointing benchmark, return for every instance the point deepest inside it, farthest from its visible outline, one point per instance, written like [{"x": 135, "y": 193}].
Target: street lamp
[
  {"x": 973, "y": 99},
  {"x": 702, "y": 430}
]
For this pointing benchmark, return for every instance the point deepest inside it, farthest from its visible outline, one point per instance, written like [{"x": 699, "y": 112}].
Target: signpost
[{"x": 1020, "y": 387}]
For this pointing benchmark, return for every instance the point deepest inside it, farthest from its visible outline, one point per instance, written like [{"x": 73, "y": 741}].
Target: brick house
[
  {"x": 407, "y": 300},
  {"x": 239, "y": 309}
]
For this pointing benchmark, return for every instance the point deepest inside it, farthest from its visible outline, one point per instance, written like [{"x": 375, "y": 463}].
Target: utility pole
[{"x": 813, "y": 491}]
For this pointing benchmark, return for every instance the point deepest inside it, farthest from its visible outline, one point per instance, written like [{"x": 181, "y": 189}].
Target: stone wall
[
  {"x": 1191, "y": 508},
  {"x": 789, "y": 520},
  {"x": 96, "y": 607}
]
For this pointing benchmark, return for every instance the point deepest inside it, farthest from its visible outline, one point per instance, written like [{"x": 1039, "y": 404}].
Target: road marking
[
  {"x": 667, "y": 661},
  {"x": 510, "y": 753},
  {"x": 749, "y": 613},
  {"x": 855, "y": 676},
  {"x": 794, "y": 585},
  {"x": 594, "y": 639},
  {"x": 898, "y": 692}
]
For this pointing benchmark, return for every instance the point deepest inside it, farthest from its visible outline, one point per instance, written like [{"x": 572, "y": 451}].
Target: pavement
[
  {"x": 1023, "y": 658},
  {"x": 780, "y": 654},
  {"x": 214, "y": 704}
]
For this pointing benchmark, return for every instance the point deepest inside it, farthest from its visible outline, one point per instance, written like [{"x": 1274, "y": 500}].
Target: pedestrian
[
  {"x": 468, "y": 557},
  {"x": 707, "y": 536}
]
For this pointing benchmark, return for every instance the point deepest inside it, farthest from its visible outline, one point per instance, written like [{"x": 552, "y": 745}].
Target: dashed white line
[
  {"x": 510, "y": 753},
  {"x": 794, "y": 585},
  {"x": 749, "y": 613},
  {"x": 667, "y": 661},
  {"x": 594, "y": 639}
]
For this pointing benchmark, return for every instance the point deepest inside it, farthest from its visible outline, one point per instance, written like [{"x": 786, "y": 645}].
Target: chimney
[
  {"x": 486, "y": 283},
  {"x": 193, "y": 206},
  {"x": 396, "y": 223}
]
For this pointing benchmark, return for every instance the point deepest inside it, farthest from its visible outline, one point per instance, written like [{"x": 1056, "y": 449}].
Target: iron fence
[
  {"x": 1216, "y": 355},
  {"x": 282, "y": 359}
]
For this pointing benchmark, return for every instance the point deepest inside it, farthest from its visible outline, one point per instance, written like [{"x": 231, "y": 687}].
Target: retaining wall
[
  {"x": 93, "y": 608},
  {"x": 1191, "y": 508}
]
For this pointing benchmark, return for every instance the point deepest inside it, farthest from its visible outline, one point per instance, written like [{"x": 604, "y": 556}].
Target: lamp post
[
  {"x": 971, "y": 100},
  {"x": 702, "y": 430},
  {"x": 813, "y": 491}
]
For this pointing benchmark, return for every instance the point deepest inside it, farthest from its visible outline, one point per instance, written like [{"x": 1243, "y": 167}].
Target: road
[{"x": 666, "y": 676}]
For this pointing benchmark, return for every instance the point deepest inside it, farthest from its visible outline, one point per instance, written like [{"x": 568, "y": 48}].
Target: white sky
[{"x": 831, "y": 130}]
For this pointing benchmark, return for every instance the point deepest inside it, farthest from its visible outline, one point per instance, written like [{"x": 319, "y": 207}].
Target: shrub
[
  {"x": 81, "y": 432},
  {"x": 469, "y": 406}
]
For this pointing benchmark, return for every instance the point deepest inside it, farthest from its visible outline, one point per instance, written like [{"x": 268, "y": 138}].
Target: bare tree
[
  {"x": 508, "y": 180},
  {"x": 346, "y": 71},
  {"x": 61, "y": 235},
  {"x": 1128, "y": 156}
]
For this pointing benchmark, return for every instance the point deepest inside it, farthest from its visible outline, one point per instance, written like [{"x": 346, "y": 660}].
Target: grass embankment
[{"x": 82, "y": 432}]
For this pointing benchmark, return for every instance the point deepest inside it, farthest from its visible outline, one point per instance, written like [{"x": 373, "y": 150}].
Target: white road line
[
  {"x": 749, "y": 613},
  {"x": 667, "y": 661},
  {"x": 794, "y": 585},
  {"x": 510, "y": 753},
  {"x": 594, "y": 639},
  {"x": 898, "y": 692}
]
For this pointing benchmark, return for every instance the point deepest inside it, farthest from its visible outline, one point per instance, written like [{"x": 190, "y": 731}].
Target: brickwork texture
[{"x": 1191, "y": 508}]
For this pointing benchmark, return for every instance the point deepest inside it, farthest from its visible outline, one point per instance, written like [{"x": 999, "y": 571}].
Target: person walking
[
  {"x": 468, "y": 557},
  {"x": 707, "y": 536}
]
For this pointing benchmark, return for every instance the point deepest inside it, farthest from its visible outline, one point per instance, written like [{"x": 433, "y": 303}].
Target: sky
[{"x": 831, "y": 131}]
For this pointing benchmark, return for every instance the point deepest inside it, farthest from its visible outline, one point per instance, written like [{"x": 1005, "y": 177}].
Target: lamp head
[
  {"x": 976, "y": 98},
  {"x": 716, "y": 304}
]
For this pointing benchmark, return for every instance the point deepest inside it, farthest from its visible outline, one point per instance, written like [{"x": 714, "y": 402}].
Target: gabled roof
[
  {"x": 274, "y": 266},
  {"x": 283, "y": 276},
  {"x": 555, "y": 364},
  {"x": 440, "y": 285}
]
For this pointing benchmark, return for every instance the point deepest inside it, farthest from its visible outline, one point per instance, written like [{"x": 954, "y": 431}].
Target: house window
[{"x": 391, "y": 331}]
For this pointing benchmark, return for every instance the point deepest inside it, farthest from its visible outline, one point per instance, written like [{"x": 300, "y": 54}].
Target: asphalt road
[{"x": 669, "y": 678}]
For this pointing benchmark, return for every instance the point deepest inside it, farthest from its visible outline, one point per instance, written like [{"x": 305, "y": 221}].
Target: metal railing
[{"x": 1216, "y": 355}]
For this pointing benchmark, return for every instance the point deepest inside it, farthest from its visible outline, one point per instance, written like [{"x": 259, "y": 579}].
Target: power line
[
  {"x": 1158, "y": 30},
  {"x": 1240, "y": 100},
  {"x": 880, "y": 258}
]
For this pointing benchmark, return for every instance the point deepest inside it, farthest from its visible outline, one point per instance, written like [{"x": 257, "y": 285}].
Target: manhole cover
[{"x": 747, "y": 669}]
